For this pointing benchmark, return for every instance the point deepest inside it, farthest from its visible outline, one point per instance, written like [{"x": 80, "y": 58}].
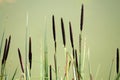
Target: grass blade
[
  {"x": 45, "y": 56},
  {"x": 14, "y": 74},
  {"x": 55, "y": 63},
  {"x": 111, "y": 70}
]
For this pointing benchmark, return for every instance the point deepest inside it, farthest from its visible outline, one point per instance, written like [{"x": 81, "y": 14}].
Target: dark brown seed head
[
  {"x": 30, "y": 53},
  {"x": 4, "y": 54},
  {"x": 53, "y": 24},
  {"x": 117, "y": 61},
  {"x": 50, "y": 72},
  {"x": 71, "y": 35},
  {"x": 20, "y": 59},
  {"x": 54, "y": 32},
  {"x": 82, "y": 16},
  {"x": 63, "y": 32},
  {"x": 76, "y": 59},
  {"x": 8, "y": 46}
]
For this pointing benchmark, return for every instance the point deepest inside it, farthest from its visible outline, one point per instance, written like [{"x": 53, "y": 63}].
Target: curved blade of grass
[
  {"x": 118, "y": 76},
  {"x": 14, "y": 74}
]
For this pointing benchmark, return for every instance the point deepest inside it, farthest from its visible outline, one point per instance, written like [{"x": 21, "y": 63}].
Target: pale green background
[{"x": 101, "y": 30}]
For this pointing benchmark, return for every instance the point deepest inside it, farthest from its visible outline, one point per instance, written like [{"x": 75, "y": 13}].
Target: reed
[
  {"x": 20, "y": 59},
  {"x": 117, "y": 61},
  {"x": 30, "y": 55},
  {"x": 50, "y": 72},
  {"x": 54, "y": 31},
  {"x": 63, "y": 32},
  {"x": 5, "y": 55},
  {"x": 82, "y": 16}
]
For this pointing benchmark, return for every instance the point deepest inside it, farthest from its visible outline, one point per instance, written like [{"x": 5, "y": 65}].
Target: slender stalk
[{"x": 55, "y": 63}]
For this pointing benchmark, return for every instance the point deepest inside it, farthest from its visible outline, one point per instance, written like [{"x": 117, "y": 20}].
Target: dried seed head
[
  {"x": 76, "y": 59},
  {"x": 30, "y": 53},
  {"x": 8, "y": 46},
  {"x": 20, "y": 59},
  {"x": 54, "y": 32},
  {"x": 4, "y": 54},
  {"x": 117, "y": 61},
  {"x": 53, "y": 24},
  {"x": 82, "y": 16},
  {"x": 71, "y": 35},
  {"x": 63, "y": 32},
  {"x": 50, "y": 72}
]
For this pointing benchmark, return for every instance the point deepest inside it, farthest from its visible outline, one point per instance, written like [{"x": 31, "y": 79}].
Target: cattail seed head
[
  {"x": 117, "y": 61},
  {"x": 71, "y": 35},
  {"x": 20, "y": 59},
  {"x": 30, "y": 53},
  {"x": 4, "y": 54},
  {"x": 63, "y": 32},
  {"x": 82, "y": 16}
]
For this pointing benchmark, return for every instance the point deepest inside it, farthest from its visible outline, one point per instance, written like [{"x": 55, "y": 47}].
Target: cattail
[
  {"x": 82, "y": 15},
  {"x": 50, "y": 72},
  {"x": 3, "y": 59},
  {"x": 76, "y": 59},
  {"x": 63, "y": 32},
  {"x": 54, "y": 32},
  {"x": 8, "y": 46},
  {"x": 71, "y": 35},
  {"x": 30, "y": 53},
  {"x": 20, "y": 58},
  {"x": 117, "y": 61}
]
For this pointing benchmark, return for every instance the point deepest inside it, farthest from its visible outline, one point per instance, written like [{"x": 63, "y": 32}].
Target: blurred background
[{"x": 101, "y": 33}]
